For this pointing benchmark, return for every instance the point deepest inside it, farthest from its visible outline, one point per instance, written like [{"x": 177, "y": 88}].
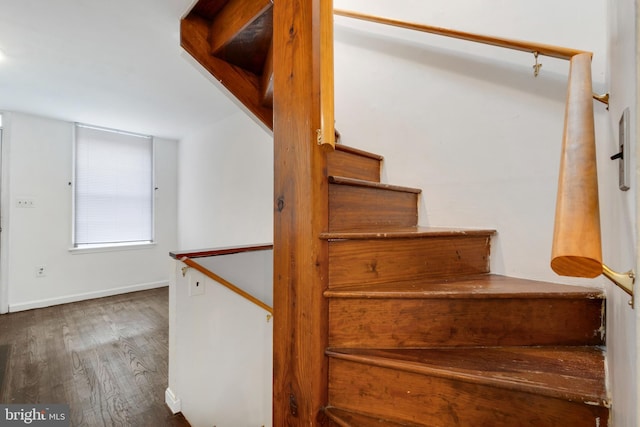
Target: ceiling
[{"x": 113, "y": 63}]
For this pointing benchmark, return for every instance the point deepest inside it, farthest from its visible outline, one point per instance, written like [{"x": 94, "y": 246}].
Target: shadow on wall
[{"x": 549, "y": 84}]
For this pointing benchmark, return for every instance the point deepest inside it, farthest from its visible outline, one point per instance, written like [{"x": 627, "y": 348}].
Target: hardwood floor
[{"x": 107, "y": 358}]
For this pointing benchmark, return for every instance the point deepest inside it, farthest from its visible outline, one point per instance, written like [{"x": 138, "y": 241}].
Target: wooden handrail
[
  {"x": 525, "y": 46},
  {"x": 201, "y": 253},
  {"x": 233, "y": 288},
  {"x": 577, "y": 247}
]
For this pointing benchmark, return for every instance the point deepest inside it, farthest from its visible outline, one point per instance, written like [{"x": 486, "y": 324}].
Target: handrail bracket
[
  {"x": 624, "y": 281},
  {"x": 604, "y": 98}
]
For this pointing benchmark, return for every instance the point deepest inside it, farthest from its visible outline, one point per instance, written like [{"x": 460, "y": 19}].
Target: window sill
[{"x": 111, "y": 248}]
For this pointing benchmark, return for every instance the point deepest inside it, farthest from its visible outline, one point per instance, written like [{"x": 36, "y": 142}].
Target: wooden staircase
[
  {"x": 420, "y": 334},
  {"x": 405, "y": 326}
]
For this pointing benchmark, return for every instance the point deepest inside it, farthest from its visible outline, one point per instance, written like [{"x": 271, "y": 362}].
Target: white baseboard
[
  {"x": 172, "y": 401},
  {"x": 85, "y": 296}
]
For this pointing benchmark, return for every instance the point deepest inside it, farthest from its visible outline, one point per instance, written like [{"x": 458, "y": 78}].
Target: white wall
[
  {"x": 226, "y": 185},
  {"x": 250, "y": 271},
  {"x": 467, "y": 123},
  {"x": 620, "y": 211},
  {"x": 40, "y": 167}
]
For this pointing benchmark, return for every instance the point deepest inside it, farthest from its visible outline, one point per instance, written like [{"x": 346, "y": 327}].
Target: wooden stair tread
[
  {"x": 568, "y": 373},
  {"x": 370, "y": 184},
  {"x": 345, "y": 418},
  {"x": 404, "y": 233},
  {"x": 476, "y": 286},
  {"x": 357, "y": 151}
]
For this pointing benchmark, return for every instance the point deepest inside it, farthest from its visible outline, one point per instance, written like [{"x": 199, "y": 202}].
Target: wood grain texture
[
  {"x": 207, "y": 9},
  {"x": 342, "y": 418},
  {"x": 300, "y": 215},
  {"x": 107, "y": 358},
  {"x": 229, "y": 23},
  {"x": 244, "y": 85},
  {"x": 357, "y": 204},
  {"x": 249, "y": 49},
  {"x": 324, "y": 32},
  {"x": 569, "y": 373},
  {"x": 352, "y": 163},
  {"x": 481, "y": 286},
  {"x": 388, "y": 260},
  {"x": 577, "y": 246},
  {"x": 413, "y": 395},
  {"x": 424, "y": 322}
]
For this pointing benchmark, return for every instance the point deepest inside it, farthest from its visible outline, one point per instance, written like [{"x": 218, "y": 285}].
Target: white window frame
[{"x": 116, "y": 246}]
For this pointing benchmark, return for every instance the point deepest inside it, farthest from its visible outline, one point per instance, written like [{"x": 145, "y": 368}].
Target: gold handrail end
[
  {"x": 604, "y": 98},
  {"x": 624, "y": 281}
]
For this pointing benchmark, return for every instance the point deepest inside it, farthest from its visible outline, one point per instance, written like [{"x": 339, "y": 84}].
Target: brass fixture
[{"x": 624, "y": 281}]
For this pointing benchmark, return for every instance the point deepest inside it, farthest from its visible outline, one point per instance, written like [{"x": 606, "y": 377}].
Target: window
[{"x": 113, "y": 198}]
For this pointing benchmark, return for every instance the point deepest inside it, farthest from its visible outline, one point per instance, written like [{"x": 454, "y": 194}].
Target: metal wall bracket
[
  {"x": 624, "y": 281},
  {"x": 184, "y": 270}
]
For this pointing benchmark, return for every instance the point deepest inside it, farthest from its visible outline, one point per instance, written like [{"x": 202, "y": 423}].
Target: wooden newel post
[
  {"x": 300, "y": 214},
  {"x": 577, "y": 247}
]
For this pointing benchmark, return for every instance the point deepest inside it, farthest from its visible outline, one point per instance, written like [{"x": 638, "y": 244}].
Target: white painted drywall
[
  {"x": 40, "y": 168},
  {"x": 619, "y": 214},
  {"x": 250, "y": 271},
  {"x": 226, "y": 185},
  {"x": 220, "y": 360}
]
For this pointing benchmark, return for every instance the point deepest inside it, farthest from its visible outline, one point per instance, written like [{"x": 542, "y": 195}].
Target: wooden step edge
[
  {"x": 358, "y": 152},
  {"x": 405, "y": 233},
  {"x": 480, "y": 286},
  {"x": 491, "y": 379},
  {"x": 354, "y": 182},
  {"x": 347, "y": 418}
]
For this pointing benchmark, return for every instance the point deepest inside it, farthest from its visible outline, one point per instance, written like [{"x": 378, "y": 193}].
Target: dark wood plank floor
[{"x": 107, "y": 358}]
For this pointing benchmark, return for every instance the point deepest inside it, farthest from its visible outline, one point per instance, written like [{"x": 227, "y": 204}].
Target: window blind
[{"x": 113, "y": 187}]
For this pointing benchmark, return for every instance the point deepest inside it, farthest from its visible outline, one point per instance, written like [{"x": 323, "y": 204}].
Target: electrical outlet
[
  {"x": 41, "y": 270},
  {"x": 25, "y": 202},
  {"x": 196, "y": 286}
]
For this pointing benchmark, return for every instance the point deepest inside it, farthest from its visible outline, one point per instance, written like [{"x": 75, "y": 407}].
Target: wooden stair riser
[
  {"x": 354, "y": 262},
  {"x": 434, "y": 401},
  {"x": 354, "y": 207},
  {"x": 405, "y": 323},
  {"x": 353, "y": 164}
]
